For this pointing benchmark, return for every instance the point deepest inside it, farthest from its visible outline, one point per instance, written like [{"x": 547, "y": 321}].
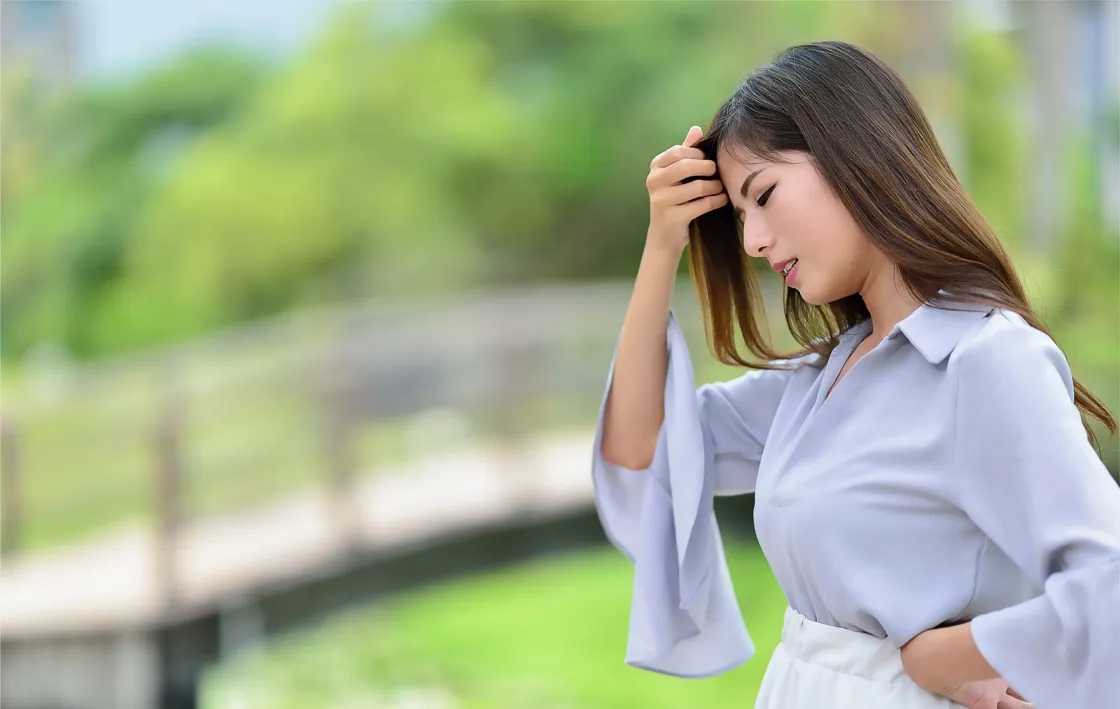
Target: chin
[
  {"x": 830, "y": 293},
  {"x": 810, "y": 296}
]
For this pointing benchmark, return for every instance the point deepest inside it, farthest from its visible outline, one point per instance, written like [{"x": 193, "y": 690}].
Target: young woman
[{"x": 927, "y": 493}]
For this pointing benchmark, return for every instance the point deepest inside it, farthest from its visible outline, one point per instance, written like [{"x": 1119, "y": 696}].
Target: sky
[{"x": 118, "y": 38}]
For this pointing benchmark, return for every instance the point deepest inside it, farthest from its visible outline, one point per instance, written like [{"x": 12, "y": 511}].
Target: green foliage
[
  {"x": 88, "y": 164},
  {"x": 1084, "y": 315},
  {"x": 496, "y": 142},
  {"x": 994, "y": 131}
]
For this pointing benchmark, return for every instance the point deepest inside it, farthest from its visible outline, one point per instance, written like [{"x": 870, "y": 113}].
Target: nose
[{"x": 756, "y": 238}]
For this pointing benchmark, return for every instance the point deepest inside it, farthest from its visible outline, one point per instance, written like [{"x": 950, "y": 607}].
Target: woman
[{"x": 927, "y": 493}]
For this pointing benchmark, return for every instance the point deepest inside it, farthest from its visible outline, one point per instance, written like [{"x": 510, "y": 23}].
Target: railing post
[
  {"x": 168, "y": 445},
  {"x": 512, "y": 407},
  {"x": 9, "y": 490},
  {"x": 337, "y": 399}
]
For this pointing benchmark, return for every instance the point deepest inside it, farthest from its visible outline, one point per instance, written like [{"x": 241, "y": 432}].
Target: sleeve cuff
[{"x": 1060, "y": 649}]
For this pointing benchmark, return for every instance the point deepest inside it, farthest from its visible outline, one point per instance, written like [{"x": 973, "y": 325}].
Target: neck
[{"x": 887, "y": 300}]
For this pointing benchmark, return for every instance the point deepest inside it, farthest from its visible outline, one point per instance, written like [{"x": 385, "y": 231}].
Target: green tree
[{"x": 85, "y": 164}]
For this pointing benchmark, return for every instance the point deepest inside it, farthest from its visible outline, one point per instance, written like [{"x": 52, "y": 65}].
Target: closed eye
[
  {"x": 762, "y": 198},
  {"x": 760, "y": 201}
]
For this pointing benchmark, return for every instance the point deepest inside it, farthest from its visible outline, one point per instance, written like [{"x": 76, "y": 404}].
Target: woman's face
[{"x": 789, "y": 211}]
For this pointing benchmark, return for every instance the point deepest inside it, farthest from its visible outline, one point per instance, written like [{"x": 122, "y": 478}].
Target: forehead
[
  {"x": 733, "y": 152},
  {"x": 735, "y": 163}
]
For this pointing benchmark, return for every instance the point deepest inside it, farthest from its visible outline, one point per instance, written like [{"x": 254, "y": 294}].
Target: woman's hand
[
  {"x": 673, "y": 205},
  {"x": 985, "y": 694}
]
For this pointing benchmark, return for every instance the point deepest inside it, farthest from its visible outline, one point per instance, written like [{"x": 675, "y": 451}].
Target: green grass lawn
[{"x": 546, "y": 634}]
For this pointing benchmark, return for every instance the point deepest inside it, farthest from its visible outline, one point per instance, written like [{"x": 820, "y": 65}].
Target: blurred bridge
[
  {"x": 98, "y": 625},
  {"x": 258, "y": 502}
]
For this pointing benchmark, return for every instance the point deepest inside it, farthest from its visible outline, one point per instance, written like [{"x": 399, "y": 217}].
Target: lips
[
  {"x": 791, "y": 272},
  {"x": 784, "y": 267}
]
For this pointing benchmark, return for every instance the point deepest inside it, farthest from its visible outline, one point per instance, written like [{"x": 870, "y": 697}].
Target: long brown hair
[{"x": 869, "y": 139}]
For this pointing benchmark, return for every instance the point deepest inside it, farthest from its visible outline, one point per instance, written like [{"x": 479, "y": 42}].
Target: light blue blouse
[{"x": 946, "y": 478}]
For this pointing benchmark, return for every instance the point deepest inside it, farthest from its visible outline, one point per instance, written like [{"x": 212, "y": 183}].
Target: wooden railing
[{"x": 243, "y": 416}]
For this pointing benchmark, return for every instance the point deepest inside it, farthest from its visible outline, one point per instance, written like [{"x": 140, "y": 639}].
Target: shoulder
[{"x": 1005, "y": 352}]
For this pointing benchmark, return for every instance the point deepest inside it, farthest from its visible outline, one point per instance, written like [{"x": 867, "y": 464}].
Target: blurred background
[{"x": 307, "y": 308}]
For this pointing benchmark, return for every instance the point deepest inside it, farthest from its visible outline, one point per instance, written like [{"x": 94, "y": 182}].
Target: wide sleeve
[
  {"x": 1030, "y": 479},
  {"x": 684, "y": 618}
]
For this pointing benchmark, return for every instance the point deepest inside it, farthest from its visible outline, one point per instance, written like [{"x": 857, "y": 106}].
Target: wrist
[
  {"x": 915, "y": 659},
  {"x": 657, "y": 251}
]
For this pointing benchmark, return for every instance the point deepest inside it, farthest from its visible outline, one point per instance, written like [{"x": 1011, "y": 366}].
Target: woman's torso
[{"x": 854, "y": 501}]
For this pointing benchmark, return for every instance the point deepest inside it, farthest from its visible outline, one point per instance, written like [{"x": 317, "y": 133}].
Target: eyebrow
[{"x": 746, "y": 186}]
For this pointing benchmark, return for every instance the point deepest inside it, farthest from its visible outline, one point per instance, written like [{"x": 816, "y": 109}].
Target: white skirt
[{"x": 818, "y": 666}]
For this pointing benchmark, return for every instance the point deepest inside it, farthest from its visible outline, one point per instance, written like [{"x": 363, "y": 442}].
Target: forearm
[
  {"x": 635, "y": 404},
  {"x": 942, "y": 658}
]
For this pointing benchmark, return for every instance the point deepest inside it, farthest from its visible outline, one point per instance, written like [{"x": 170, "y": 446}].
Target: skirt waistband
[{"x": 842, "y": 650}]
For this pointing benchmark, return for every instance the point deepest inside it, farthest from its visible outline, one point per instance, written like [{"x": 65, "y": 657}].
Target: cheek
[
  {"x": 802, "y": 228},
  {"x": 825, "y": 237},
  {"x": 817, "y": 225}
]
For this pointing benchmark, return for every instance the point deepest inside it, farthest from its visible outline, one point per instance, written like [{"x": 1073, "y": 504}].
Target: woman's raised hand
[{"x": 673, "y": 204}]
